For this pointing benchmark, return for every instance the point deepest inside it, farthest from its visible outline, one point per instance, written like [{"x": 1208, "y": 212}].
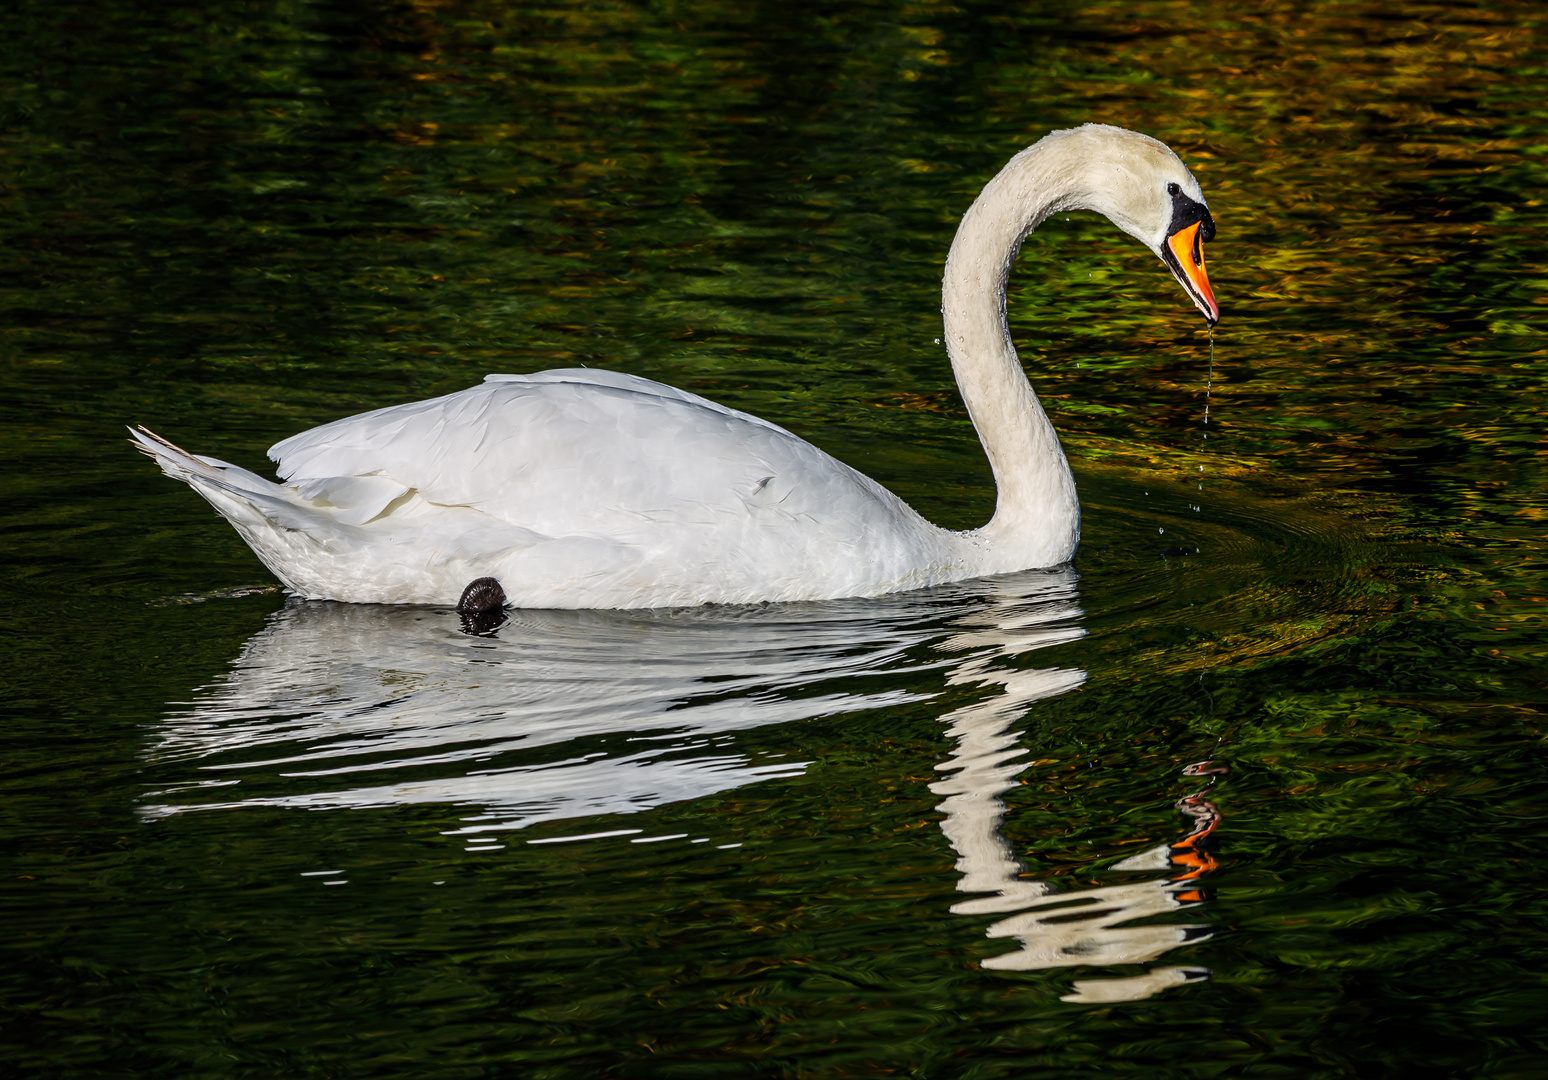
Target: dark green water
[{"x": 963, "y": 833}]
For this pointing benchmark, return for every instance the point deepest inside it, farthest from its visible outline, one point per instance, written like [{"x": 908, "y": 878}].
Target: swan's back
[{"x": 593, "y": 488}]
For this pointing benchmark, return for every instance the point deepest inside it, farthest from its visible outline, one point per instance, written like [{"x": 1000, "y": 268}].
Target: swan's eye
[{"x": 1172, "y": 189}]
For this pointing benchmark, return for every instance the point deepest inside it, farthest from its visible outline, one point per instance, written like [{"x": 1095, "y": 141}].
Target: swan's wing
[
  {"x": 586, "y": 453},
  {"x": 619, "y": 381}
]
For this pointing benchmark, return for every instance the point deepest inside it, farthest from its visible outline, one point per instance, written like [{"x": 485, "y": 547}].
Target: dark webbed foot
[
  {"x": 482, "y": 594},
  {"x": 482, "y": 606}
]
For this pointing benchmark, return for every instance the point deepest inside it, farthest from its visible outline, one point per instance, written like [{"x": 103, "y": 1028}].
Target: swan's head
[{"x": 1146, "y": 191}]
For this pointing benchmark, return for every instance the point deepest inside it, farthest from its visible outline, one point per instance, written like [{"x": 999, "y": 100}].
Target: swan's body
[{"x": 587, "y": 488}]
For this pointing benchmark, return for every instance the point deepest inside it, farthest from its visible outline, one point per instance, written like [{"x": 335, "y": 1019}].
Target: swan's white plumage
[
  {"x": 587, "y": 488},
  {"x": 575, "y": 489}
]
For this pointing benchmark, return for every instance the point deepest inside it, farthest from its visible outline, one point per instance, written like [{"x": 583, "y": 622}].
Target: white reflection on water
[
  {"x": 570, "y": 714},
  {"x": 1076, "y": 928},
  {"x": 565, "y": 714}
]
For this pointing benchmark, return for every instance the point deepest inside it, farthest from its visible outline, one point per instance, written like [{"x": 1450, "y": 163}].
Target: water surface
[{"x": 1256, "y": 788}]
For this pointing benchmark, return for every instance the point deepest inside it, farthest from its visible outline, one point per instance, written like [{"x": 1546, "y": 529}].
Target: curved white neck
[{"x": 1037, "y": 515}]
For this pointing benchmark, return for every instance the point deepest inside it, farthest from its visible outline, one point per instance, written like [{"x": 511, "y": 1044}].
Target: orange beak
[{"x": 1186, "y": 248}]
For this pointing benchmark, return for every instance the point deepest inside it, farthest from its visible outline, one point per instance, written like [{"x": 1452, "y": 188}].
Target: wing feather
[{"x": 582, "y": 452}]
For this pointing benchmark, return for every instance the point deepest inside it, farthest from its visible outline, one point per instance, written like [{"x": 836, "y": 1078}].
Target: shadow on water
[{"x": 561, "y": 715}]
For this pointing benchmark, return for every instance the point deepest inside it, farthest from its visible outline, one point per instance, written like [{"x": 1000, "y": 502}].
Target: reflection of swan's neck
[{"x": 1036, "y": 515}]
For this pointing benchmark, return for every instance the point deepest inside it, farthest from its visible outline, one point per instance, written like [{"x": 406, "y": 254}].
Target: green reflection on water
[{"x": 235, "y": 221}]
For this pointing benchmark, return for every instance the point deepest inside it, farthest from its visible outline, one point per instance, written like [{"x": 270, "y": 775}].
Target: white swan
[{"x": 584, "y": 488}]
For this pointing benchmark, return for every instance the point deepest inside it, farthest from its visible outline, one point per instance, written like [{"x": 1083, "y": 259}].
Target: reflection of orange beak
[
  {"x": 1186, "y": 854},
  {"x": 1187, "y": 250}
]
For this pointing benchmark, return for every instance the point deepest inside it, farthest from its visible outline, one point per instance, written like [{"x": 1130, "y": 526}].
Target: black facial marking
[{"x": 1185, "y": 212}]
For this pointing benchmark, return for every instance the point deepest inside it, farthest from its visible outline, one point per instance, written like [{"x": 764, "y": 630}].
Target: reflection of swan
[
  {"x": 572, "y": 714},
  {"x": 1076, "y": 928},
  {"x": 596, "y": 489},
  {"x": 565, "y": 714}
]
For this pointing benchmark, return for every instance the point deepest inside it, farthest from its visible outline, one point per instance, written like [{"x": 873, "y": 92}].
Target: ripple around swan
[{"x": 576, "y": 714}]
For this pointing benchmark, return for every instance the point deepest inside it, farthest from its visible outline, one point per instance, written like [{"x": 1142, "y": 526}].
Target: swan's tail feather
[
  {"x": 287, "y": 535},
  {"x": 181, "y": 465},
  {"x": 173, "y": 459},
  {"x": 241, "y": 496}
]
